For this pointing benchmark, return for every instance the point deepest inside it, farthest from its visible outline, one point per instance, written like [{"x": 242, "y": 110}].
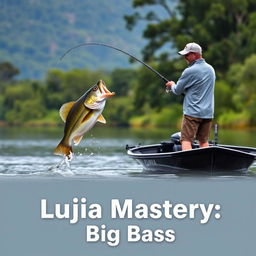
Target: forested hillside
[
  {"x": 224, "y": 28},
  {"x": 35, "y": 33}
]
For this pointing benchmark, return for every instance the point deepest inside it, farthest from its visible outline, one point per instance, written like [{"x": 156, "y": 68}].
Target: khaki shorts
[{"x": 195, "y": 128}]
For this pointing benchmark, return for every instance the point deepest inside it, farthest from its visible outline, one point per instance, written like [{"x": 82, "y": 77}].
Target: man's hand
[{"x": 169, "y": 85}]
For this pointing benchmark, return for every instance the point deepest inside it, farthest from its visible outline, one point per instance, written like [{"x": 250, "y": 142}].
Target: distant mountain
[{"x": 35, "y": 33}]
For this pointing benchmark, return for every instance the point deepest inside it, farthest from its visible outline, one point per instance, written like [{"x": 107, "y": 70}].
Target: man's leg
[
  {"x": 186, "y": 145},
  {"x": 203, "y": 144},
  {"x": 204, "y": 133},
  {"x": 188, "y": 131}
]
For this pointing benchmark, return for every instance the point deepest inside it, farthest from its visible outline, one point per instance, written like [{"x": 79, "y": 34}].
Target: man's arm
[{"x": 182, "y": 84}]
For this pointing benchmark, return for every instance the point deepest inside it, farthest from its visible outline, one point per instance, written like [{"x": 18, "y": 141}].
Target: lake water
[
  {"x": 101, "y": 154},
  {"x": 101, "y": 171}
]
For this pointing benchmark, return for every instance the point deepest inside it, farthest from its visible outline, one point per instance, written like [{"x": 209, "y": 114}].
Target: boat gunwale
[{"x": 165, "y": 154}]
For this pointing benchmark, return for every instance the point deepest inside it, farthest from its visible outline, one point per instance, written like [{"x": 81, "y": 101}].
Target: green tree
[
  {"x": 119, "y": 110},
  {"x": 122, "y": 80},
  {"x": 237, "y": 96},
  {"x": 7, "y": 71},
  {"x": 62, "y": 87},
  {"x": 22, "y": 111},
  {"x": 22, "y": 102},
  {"x": 223, "y": 97},
  {"x": 224, "y": 28},
  {"x": 149, "y": 90},
  {"x": 2, "y": 108},
  {"x": 246, "y": 92},
  {"x": 53, "y": 94}
]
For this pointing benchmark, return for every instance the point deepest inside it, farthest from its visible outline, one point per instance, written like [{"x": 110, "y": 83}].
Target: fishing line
[{"x": 117, "y": 49}]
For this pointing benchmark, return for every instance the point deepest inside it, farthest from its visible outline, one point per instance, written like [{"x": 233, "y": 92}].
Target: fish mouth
[{"x": 104, "y": 90}]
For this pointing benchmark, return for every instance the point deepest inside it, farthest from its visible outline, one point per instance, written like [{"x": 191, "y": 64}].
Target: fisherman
[{"x": 197, "y": 85}]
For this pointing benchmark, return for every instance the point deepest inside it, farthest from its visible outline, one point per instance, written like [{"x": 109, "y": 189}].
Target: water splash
[{"x": 64, "y": 166}]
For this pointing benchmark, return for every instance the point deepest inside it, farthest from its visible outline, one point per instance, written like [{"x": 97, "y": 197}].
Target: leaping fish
[{"x": 81, "y": 115}]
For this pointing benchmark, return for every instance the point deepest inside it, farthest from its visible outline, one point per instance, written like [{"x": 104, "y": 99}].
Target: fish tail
[{"x": 63, "y": 149}]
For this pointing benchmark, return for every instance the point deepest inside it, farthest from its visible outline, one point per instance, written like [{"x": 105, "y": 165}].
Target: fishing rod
[{"x": 115, "y": 48}]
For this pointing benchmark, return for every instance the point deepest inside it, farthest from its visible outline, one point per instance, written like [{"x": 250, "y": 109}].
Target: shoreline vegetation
[{"x": 140, "y": 100}]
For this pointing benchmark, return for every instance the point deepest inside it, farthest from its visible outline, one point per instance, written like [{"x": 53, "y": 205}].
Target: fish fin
[
  {"x": 63, "y": 149},
  {"x": 77, "y": 140},
  {"x": 64, "y": 110},
  {"x": 101, "y": 119}
]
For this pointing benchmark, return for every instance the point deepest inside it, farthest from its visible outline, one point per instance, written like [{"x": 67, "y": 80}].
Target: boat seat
[
  {"x": 166, "y": 146},
  {"x": 169, "y": 146}
]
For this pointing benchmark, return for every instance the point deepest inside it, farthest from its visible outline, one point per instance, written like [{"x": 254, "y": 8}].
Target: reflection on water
[{"x": 101, "y": 153}]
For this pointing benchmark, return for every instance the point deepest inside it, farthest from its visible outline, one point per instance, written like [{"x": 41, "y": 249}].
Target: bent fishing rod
[{"x": 117, "y": 49}]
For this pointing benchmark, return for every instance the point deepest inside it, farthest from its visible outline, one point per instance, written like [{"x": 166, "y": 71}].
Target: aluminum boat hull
[{"x": 213, "y": 159}]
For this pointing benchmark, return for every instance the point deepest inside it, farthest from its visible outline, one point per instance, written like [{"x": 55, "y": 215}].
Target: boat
[{"x": 168, "y": 157}]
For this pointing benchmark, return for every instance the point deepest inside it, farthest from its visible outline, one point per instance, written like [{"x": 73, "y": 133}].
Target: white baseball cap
[{"x": 191, "y": 47}]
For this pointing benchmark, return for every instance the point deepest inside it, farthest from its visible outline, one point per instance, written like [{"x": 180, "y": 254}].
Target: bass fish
[{"x": 81, "y": 115}]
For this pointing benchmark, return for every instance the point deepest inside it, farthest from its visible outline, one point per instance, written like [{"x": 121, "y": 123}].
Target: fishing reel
[{"x": 168, "y": 89}]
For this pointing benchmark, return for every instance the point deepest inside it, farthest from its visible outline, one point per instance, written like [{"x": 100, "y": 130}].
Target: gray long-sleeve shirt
[{"x": 197, "y": 84}]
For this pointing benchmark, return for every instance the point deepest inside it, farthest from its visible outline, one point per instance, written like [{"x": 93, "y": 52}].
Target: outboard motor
[
  {"x": 176, "y": 137},
  {"x": 173, "y": 145}
]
